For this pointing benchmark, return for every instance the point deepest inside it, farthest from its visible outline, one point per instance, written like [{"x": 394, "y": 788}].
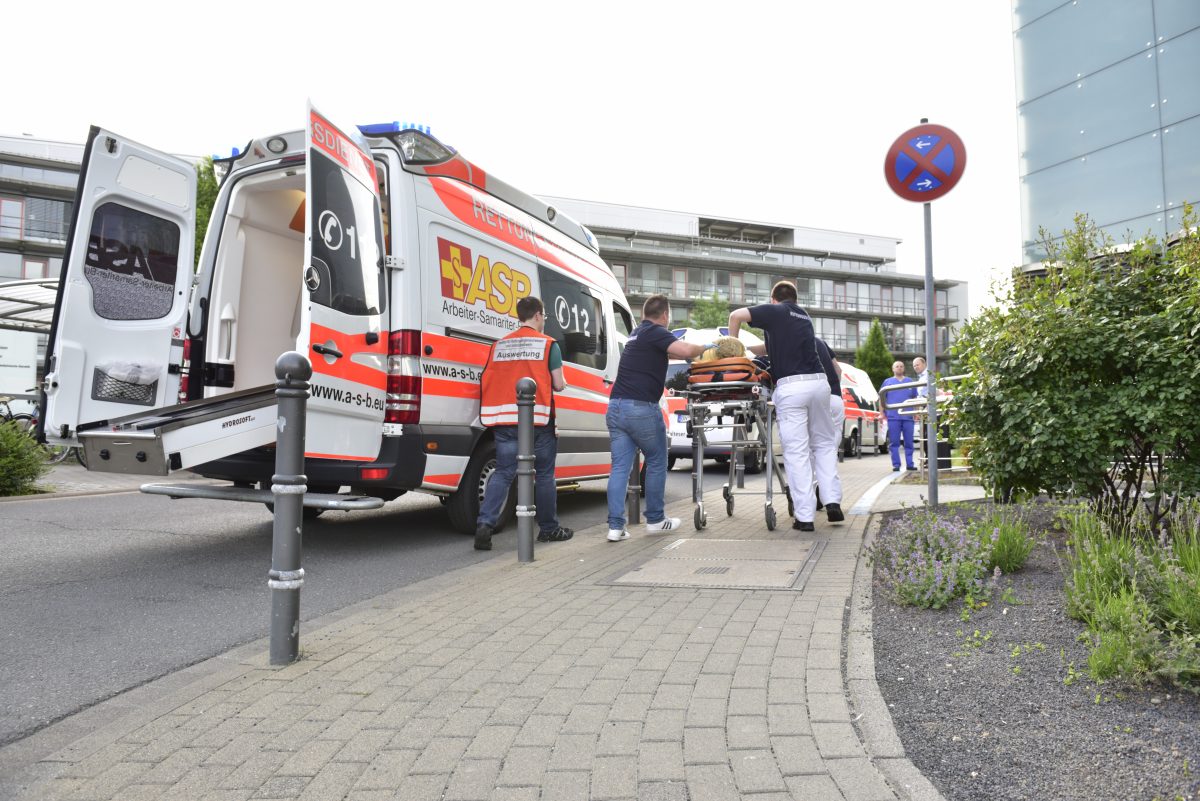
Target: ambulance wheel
[
  {"x": 671, "y": 462},
  {"x": 756, "y": 462},
  {"x": 852, "y": 450},
  {"x": 699, "y": 519},
  {"x": 770, "y": 518},
  {"x": 463, "y": 506}
]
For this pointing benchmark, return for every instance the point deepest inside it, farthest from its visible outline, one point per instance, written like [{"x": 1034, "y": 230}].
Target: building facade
[
  {"x": 845, "y": 280},
  {"x": 37, "y": 190},
  {"x": 1108, "y": 107}
]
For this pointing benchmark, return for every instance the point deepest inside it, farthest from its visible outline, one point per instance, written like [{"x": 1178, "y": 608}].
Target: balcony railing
[
  {"x": 750, "y": 297},
  {"x": 13, "y": 227}
]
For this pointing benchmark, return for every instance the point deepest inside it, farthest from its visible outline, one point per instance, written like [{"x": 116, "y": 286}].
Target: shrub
[
  {"x": 22, "y": 460},
  {"x": 1138, "y": 595},
  {"x": 1084, "y": 381}
]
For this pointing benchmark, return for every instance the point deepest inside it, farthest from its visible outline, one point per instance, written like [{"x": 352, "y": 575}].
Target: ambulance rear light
[
  {"x": 403, "y": 404},
  {"x": 404, "y": 343},
  {"x": 373, "y": 473}
]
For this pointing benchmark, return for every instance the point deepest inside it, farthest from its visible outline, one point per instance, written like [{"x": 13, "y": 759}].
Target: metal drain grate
[{"x": 727, "y": 564}]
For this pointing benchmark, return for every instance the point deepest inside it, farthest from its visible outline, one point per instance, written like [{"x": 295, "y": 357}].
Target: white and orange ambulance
[
  {"x": 865, "y": 426},
  {"x": 384, "y": 256}
]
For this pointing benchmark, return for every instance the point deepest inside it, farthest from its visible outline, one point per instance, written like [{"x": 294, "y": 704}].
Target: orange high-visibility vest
[{"x": 523, "y": 353}]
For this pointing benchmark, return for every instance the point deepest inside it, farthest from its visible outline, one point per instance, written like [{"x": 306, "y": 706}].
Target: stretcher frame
[{"x": 749, "y": 405}]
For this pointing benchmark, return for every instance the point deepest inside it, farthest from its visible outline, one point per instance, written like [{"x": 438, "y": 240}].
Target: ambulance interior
[{"x": 254, "y": 311}]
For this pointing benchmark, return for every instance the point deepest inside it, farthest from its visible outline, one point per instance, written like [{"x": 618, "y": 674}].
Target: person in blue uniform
[{"x": 900, "y": 427}]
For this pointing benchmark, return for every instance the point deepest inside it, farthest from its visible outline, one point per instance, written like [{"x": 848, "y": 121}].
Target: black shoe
[
  {"x": 801, "y": 525},
  {"x": 483, "y": 538},
  {"x": 912, "y": 469},
  {"x": 833, "y": 512},
  {"x": 895, "y": 469},
  {"x": 560, "y": 534}
]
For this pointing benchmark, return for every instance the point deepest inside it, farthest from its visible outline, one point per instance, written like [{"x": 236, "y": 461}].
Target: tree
[
  {"x": 206, "y": 196},
  {"x": 710, "y": 313},
  {"x": 873, "y": 356},
  {"x": 1085, "y": 381}
]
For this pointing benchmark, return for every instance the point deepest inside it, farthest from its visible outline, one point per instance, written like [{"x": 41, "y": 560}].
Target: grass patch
[{"x": 1138, "y": 595}]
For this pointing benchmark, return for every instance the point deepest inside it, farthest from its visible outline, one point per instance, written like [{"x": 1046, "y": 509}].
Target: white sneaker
[
  {"x": 617, "y": 534},
  {"x": 666, "y": 524}
]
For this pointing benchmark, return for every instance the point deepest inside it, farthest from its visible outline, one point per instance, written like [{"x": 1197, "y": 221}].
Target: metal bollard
[
  {"x": 526, "y": 507},
  {"x": 288, "y": 486},
  {"x": 633, "y": 492}
]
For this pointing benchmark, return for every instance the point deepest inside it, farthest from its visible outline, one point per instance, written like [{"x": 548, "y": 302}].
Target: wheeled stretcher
[{"x": 744, "y": 408}]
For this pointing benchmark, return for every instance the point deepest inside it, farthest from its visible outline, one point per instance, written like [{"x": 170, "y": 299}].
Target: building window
[
  {"x": 34, "y": 268},
  {"x": 12, "y": 217}
]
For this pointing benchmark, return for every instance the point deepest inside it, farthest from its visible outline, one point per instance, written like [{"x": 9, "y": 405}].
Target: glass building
[{"x": 1108, "y": 107}]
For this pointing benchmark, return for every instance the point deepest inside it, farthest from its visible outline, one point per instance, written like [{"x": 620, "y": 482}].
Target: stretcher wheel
[
  {"x": 729, "y": 507},
  {"x": 700, "y": 519},
  {"x": 791, "y": 506},
  {"x": 770, "y": 518},
  {"x": 725, "y": 493}
]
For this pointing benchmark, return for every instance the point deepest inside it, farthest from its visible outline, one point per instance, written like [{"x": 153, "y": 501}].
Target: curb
[{"x": 870, "y": 714}]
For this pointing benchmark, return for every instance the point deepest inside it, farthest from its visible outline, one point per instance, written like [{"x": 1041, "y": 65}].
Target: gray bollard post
[
  {"x": 526, "y": 472},
  {"x": 288, "y": 486},
  {"x": 633, "y": 492}
]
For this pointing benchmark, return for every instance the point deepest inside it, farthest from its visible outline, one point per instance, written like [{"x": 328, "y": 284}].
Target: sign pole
[
  {"x": 922, "y": 165},
  {"x": 931, "y": 454}
]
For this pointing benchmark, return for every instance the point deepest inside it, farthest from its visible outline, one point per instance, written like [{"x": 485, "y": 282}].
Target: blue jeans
[
  {"x": 545, "y": 451},
  {"x": 897, "y": 429},
  {"x": 636, "y": 425}
]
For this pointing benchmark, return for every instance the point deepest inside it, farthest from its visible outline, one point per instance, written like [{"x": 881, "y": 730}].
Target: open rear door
[
  {"x": 344, "y": 275},
  {"x": 116, "y": 342}
]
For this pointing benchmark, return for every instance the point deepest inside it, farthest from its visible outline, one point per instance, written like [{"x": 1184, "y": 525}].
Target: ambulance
[
  {"x": 381, "y": 254},
  {"x": 865, "y": 426}
]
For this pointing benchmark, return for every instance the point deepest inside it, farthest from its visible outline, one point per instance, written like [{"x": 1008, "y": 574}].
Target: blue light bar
[{"x": 381, "y": 128}]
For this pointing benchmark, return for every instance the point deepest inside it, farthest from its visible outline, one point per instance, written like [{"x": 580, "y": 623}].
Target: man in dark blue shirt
[
  {"x": 635, "y": 420},
  {"x": 801, "y": 393}
]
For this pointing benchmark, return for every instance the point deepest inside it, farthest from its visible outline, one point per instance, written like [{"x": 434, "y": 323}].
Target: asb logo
[{"x": 495, "y": 283}]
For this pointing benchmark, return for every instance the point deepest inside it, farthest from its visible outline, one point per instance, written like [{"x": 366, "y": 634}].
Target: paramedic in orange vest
[{"x": 526, "y": 352}]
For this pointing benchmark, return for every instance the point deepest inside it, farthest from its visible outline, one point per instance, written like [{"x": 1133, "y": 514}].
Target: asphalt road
[{"x": 102, "y": 593}]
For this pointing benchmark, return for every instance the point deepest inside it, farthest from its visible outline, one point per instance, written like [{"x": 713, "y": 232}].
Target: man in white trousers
[
  {"x": 825, "y": 453},
  {"x": 801, "y": 389}
]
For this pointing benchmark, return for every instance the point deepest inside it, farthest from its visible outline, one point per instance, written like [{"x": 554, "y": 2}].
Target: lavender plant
[{"x": 928, "y": 561}]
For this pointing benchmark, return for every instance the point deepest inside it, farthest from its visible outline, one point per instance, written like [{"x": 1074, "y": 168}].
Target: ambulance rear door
[
  {"x": 117, "y": 339},
  {"x": 344, "y": 274}
]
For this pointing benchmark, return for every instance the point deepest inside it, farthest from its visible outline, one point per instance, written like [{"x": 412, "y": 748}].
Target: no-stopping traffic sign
[{"x": 925, "y": 163}]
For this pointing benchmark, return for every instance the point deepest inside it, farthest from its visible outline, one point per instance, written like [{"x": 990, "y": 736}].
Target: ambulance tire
[
  {"x": 851, "y": 448},
  {"x": 671, "y": 462},
  {"x": 463, "y": 506}
]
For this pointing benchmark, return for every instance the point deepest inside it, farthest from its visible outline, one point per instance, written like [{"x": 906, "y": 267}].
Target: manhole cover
[{"x": 727, "y": 564}]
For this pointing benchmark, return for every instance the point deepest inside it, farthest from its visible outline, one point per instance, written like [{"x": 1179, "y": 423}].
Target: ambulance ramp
[{"x": 158, "y": 442}]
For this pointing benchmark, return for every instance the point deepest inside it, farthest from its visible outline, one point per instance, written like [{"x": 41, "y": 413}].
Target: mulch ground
[{"x": 1000, "y": 706}]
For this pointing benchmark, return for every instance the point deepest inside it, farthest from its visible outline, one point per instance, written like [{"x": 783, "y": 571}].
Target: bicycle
[{"x": 28, "y": 424}]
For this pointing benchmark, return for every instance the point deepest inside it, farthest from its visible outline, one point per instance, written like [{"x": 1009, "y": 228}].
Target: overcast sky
[{"x": 773, "y": 111}]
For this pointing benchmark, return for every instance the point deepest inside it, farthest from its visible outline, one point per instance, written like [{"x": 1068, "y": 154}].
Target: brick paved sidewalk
[{"x": 508, "y": 681}]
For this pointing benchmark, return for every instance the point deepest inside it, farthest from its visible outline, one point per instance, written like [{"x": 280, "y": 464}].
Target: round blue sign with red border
[{"x": 925, "y": 163}]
